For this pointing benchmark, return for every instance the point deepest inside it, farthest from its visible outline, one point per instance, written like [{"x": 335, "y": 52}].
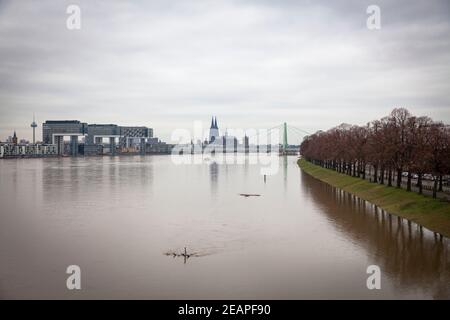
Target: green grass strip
[{"x": 432, "y": 214}]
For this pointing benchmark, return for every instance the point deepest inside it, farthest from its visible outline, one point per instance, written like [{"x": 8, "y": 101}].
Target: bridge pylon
[{"x": 285, "y": 139}]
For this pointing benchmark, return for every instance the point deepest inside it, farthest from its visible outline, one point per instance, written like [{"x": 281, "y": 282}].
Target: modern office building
[
  {"x": 95, "y": 135},
  {"x": 229, "y": 143},
  {"x": 96, "y": 132},
  {"x": 130, "y": 135},
  {"x": 246, "y": 144},
  {"x": 158, "y": 148},
  {"x": 53, "y": 132}
]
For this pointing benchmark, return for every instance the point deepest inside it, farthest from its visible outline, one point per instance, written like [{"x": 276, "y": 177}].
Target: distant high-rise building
[
  {"x": 246, "y": 143},
  {"x": 213, "y": 130}
]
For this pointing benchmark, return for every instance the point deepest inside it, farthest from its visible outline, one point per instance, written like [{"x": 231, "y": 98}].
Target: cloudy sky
[{"x": 252, "y": 63}]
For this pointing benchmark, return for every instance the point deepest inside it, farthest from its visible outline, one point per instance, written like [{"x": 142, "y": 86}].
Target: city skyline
[{"x": 253, "y": 64}]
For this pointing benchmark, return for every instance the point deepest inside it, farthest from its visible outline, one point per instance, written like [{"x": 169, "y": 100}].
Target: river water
[{"x": 121, "y": 218}]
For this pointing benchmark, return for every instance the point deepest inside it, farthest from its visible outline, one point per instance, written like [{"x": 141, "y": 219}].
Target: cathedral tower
[{"x": 213, "y": 130}]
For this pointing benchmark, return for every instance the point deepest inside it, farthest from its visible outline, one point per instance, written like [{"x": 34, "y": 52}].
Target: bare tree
[{"x": 392, "y": 145}]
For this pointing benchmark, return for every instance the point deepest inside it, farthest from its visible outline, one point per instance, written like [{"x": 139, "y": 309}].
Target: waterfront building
[
  {"x": 95, "y": 135},
  {"x": 158, "y": 148},
  {"x": 10, "y": 150},
  {"x": 124, "y": 139},
  {"x": 49, "y": 150},
  {"x": 54, "y": 131},
  {"x": 91, "y": 149},
  {"x": 129, "y": 138},
  {"x": 134, "y": 138},
  {"x": 246, "y": 144},
  {"x": 153, "y": 140},
  {"x": 229, "y": 143}
]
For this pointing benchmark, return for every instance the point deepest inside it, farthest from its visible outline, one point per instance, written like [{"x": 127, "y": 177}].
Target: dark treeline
[{"x": 385, "y": 150}]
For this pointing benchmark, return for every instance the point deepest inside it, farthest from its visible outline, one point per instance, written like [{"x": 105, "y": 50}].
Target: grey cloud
[{"x": 252, "y": 63}]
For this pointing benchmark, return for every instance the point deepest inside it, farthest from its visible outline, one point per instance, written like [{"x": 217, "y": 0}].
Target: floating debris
[
  {"x": 249, "y": 195},
  {"x": 184, "y": 254}
]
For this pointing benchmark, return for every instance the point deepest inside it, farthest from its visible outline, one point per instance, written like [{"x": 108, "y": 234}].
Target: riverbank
[{"x": 428, "y": 212}]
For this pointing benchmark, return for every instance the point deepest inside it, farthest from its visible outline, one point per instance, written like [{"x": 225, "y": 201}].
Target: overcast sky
[{"x": 254, "y": 64}]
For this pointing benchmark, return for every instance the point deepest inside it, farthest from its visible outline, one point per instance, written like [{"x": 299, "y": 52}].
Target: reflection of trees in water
[{"x": 414, "y": 257}]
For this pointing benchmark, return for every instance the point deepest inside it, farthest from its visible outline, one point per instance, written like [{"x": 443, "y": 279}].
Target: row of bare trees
[{"x": 385, "y": 150}]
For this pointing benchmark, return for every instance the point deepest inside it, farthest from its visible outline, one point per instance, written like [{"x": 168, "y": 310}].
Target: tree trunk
[
  {"x": 419, "y": 184},
  {"x": 364, "y": 171},
  {"x": 399, "y": 178},
  {"x": 375, "y": 175},
  {"x": 390, "y": 178},
  {"x": 435, "y": 185},
  {"x": 382, "y": 176},
  {"x": 408, "y": 187},
  {"x": 440, "y": 183}
]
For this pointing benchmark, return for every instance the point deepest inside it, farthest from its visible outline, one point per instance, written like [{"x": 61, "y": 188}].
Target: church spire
[
  {"x": 212, "y": 122},
  {"x": 215, "y": 123},
  {"x": 14, "y": 138}
]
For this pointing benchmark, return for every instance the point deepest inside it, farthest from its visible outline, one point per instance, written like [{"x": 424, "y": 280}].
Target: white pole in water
[{"x": 185, "y": 254}]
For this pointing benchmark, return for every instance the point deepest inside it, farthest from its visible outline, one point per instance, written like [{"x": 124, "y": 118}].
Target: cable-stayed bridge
[{"x": 283, "y": 129}]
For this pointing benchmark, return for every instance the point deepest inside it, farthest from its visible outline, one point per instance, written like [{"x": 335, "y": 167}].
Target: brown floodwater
[{"x": 126, "y": 221}]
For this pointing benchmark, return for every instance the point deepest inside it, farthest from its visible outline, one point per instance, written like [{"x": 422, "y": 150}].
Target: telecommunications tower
[{"x": 34, "y": 125}]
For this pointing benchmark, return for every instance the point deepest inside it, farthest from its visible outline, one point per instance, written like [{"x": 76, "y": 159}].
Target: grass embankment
[{"x": 430, "y": 213}]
